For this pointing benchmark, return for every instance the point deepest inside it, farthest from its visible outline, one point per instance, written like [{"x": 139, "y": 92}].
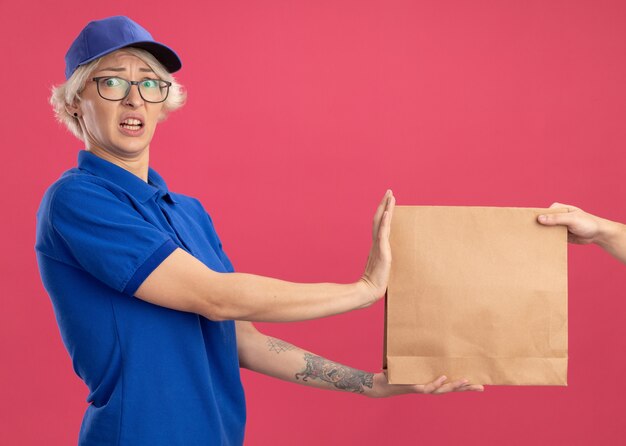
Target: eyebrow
[{"x": 144, "y": 70}]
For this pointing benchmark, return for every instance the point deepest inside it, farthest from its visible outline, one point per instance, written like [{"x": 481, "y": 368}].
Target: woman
[{"x": 145, "y": 297}]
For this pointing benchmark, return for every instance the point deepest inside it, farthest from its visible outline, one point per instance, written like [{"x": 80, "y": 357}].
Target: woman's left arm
[{"x": 280, "y": 359}]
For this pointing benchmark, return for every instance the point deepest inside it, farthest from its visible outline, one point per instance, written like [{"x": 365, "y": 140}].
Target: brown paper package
[{"x": 477, "y": 293}]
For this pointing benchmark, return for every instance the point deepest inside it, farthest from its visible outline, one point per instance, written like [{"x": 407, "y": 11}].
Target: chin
[{"x": 133, "y": 145}]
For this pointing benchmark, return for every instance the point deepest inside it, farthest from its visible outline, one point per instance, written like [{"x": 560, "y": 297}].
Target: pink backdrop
[{"x": 300, "y": 115}]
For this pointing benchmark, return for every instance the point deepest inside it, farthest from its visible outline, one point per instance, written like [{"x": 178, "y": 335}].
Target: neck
[{"x": 137, "y": 164}]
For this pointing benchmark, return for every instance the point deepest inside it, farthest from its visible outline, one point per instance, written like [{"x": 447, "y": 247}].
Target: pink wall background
[{"x": 300, "y": 115}]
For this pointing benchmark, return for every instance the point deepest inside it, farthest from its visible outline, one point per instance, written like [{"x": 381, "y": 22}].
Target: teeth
[{"x": 131, "y": 121}]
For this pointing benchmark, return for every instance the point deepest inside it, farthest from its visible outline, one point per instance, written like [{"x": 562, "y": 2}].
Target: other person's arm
[
  {"x": 584, "y": 228},
  {"x": 280, "y": 359},
  {"x": 182, "y": 282}
]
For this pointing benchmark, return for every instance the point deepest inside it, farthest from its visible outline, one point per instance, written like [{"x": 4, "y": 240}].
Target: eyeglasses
[{"x": 117, "y": 88}]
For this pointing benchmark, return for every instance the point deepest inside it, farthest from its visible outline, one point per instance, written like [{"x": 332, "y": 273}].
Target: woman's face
[{"x": 125, "y": 127}]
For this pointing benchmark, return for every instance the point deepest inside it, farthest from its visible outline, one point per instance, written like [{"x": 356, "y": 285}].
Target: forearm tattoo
[
  {"x": 278, "y": 345},
  {"x": 340, "y": 376}
]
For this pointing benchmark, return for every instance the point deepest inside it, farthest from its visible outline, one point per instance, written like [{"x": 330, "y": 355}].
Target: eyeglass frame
[{"x": 130, "y": 85}]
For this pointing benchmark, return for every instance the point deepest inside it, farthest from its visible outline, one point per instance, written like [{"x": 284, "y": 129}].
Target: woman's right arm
[{"x": 182, "y": 282}]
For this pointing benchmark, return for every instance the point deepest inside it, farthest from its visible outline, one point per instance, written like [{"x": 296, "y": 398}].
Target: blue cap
[{"x": 101, "y": 37}]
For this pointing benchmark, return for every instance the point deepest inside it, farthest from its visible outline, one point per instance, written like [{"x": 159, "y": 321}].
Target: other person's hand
[{"x": 582, "y": 228}]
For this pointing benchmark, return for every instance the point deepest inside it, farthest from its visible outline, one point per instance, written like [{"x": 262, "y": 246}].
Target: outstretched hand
[
  {"x": 382, "y": 388},
  {"x": 376, "y": 275},
  {"x": 582, "y": 228}
]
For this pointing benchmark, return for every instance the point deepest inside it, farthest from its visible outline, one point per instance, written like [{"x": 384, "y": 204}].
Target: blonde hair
[{"x": 68, "y": 93}]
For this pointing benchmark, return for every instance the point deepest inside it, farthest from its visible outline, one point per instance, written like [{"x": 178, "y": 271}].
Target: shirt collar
[{"x": 123, "y": 178}]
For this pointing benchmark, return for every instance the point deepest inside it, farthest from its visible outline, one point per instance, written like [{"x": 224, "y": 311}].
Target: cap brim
[
  {"x": 163, "y": 54},
  {"x": 168, "y": 58}
]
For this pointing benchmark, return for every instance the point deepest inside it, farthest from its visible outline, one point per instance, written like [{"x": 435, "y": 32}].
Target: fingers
[
  {"x": 455, "y": 386},
  {"x": 383, "y": 247},
  {"x": 557, "y": 219},
  {"x": 569, "y": 207},
  {"x": 391, "y": 204},
  {"x": 473, "y": 388},
  {"x": 382, "y": 206},
  {"x": 384, "y": 227},
  {"x": 467, "y": 387},
  {"x": 433, "y": 386},
  {"x": 440, "y": 386}
]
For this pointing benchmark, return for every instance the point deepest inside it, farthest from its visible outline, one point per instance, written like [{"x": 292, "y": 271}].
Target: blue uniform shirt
[{"x": 156, "y": 376}]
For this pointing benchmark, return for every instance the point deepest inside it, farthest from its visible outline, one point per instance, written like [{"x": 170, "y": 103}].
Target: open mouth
[{"x": 131, "y": 124}]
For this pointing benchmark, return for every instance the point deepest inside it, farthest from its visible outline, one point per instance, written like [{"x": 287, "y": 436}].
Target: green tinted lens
[
  {"x": 153, "y": 90},
  {"x": 113, "y": 88}
]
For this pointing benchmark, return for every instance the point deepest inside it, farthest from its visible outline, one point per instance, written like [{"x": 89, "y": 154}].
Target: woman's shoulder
[
  {"x": 75, "y": 181},
  {"x": 73, "y": 196},
  {"x": 76, "y": 188}
]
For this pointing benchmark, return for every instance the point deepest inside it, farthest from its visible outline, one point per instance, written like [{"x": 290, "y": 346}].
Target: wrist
[
  {"x": 608, "y": 232},
  {"x": 365, "y": 292},
  {"x": 374, "y": 390}
]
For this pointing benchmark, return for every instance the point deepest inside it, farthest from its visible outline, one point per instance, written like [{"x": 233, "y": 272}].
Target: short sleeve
[
  {"x": 219, "y": 248},
  {"x": 106, "y": 236}
]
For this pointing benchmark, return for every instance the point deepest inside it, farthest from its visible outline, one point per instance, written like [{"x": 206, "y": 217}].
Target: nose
[{"x": 133, "y": 99}]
